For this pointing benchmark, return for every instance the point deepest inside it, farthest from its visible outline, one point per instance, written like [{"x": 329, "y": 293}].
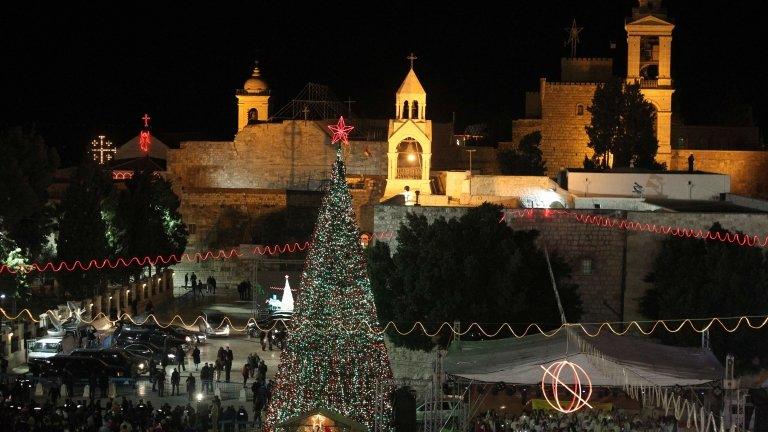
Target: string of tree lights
[
  {"x": 490, "y": 330},
  {"x": 740, "y": 239}
]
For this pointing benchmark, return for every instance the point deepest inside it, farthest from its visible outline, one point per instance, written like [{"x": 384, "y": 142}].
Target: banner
[{"x": 542, "y": 404}]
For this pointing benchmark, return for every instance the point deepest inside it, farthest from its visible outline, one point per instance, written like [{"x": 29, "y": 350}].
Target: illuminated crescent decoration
[{"x": 556, "y": 376}]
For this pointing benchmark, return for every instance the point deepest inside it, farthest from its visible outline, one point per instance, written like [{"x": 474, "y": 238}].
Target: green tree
[
  {"x": 143, "y": 219},
  {"x": 27, "y": 172},
  {"x": 25, "y": 218},
  {"x": 332, "y": 359},
  {"x": 82, "y": 229},
  {"x": 695, "y": 278},
  {"x": 471, "y": 269},
  {"x": 526, "y": 159},
  {"x": 622, "y": 127}
]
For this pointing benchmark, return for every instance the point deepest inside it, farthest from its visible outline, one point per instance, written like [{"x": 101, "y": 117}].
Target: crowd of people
[
  {"x": 117, "y": 416},
  {"x": 582, "y": 421},
  {"x": 197, "y": 285}
]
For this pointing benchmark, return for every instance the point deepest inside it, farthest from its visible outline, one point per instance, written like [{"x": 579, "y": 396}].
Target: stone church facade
[{"x": 559, "y": 109}]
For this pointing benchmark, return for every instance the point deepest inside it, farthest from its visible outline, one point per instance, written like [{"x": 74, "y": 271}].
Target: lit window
[
  {"x": 579, "y": 110},
  {"x": 586, "y": 266}
]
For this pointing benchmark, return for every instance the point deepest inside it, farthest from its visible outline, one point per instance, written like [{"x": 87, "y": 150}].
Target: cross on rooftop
[
  {"x": 146, "y": 119},
  {"x": 412, "y": 57}
]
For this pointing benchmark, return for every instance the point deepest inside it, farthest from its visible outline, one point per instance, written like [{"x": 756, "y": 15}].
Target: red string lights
[
  {"x": 148, "y": 260},
  {"x": 340, "y": 132},
  {"x": 747, "y": 240},
  {"x": 750, "y": 240}
]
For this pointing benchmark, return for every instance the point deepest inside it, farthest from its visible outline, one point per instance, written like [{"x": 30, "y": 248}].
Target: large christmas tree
[{"x": 332, "y": 360}]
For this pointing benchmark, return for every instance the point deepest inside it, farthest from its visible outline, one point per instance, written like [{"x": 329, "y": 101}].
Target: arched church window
[
  {"x": 415, "y": 110},
  {"x": 253, "y": 116},
  {"x": 579, "y": 110},
  {"x": 405, "y": 110}
]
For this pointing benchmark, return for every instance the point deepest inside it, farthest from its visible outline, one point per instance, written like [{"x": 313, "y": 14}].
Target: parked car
[
  {"x": 116, "y": 356},
  {"x": 211, "y": 320},
  {"x": 43, "y": 347},
  {"x": 176, "y": 332},
  {"x": 146, "y": 350},
  {"x": 278, "y": 322},
  {"x": 79, "y": 366},
  {"x": 148, "y": 336}
]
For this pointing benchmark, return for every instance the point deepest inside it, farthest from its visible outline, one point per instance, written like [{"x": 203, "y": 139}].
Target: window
[
  {"x": 253, "y": 116},
  {"x": 586, "y": 266},
  {"x": 579, "y": 110},
  {"x": 192, "y": 228},
  {"x": 405, "y": 110},
  {"x": 14, "y": 344},
  {"x": 415, "y": 110}
]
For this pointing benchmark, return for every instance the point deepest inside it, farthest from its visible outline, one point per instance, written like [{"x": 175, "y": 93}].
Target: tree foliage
[
  {"x": 143, "y": 219},
  {"x": 622, "y": 127},
  {"x": 27, "y": 172},
  {"x": 471, "y": 269},
  {"x": 695, "y": 278},
  {"x": 526, "y": 159},
  {"x": 25, "y": 217},
  {"x": 82, "y": 229}
]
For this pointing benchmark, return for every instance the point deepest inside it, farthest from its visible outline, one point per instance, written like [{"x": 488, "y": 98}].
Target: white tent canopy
[{"x": 639, "y": 360}]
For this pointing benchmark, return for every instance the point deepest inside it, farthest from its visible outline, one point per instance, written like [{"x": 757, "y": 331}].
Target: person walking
[
  {"x": 262, "y": 371},
  {"x": 103, "y": 384},
  {"x": 193, "y": 279},
  {"x": 181, "y": 357},
  {"x": 228, "y": 365},
  {"x": 216, "y": 413},
  {"x": 205, "y": 377},
  {"x": 55, "y": 391},
  {"x": 175, "y": 381},
  {"x": 218, "y": 366},
  {"x": 186, "y": 280},
  {"x": 246, "y": 373},
  {"x": 196, "y": 356},
  {"x": 160, "y": 382},
  {"x": 191, "y": 386}
]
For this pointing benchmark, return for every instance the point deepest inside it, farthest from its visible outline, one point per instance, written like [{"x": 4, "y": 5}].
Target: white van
[{"x": 44, "y": 347}]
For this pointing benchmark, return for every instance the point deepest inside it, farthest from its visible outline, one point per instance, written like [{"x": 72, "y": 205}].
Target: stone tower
[
  {"x": 252, "y": 100},
  {"x": 410, "y": 139},
  {"x": 649, "y": 45}
]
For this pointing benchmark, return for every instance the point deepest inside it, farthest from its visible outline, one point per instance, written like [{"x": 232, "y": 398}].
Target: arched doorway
[
  {"x": 409, "y": 159},
  {"x": 253, "y": 116}
]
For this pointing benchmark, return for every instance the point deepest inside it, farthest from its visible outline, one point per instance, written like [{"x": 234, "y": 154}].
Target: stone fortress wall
[{"x": 608, "y": 252}]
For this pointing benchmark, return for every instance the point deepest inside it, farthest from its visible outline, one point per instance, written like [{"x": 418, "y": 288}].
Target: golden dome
[{"x": 255, "y": 84}]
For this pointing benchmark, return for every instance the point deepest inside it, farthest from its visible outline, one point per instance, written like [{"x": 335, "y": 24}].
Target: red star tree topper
[{"x": 340, "y": 132}]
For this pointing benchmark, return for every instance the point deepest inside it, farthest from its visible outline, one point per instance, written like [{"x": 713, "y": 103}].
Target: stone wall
[
  {"x": 748, "y": 169},
  {"x": 600, "y": 290},
  {"x": 642, "y": 247},
  {"x": 287, "y": 155},
  {"x": 520, "y": 128},
  {"x": 563, "y": 137},
  {"x": 604, "y": 247}
]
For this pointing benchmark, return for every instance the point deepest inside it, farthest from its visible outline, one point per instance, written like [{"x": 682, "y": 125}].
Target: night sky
[{"x": 77, "y": 70}]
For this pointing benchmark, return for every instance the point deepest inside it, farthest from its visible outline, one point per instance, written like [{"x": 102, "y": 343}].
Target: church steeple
[
  {"x": 411, "y": 99},
  {"x": 253, "y": 100}
]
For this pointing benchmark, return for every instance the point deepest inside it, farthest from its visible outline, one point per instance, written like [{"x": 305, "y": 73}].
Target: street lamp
[{"x": 470, "y": 151}]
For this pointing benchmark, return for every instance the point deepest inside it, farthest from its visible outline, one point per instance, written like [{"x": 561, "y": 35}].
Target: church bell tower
[
  {"x": 649, "y": 56},
  {"x": 409, "y": 152},
  {"x": 252, "y": 100}
]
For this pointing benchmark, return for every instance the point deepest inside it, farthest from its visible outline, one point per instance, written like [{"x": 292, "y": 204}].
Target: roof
[
  {"x": 519, "y": 361},
  {"x": 129, "y": 150},
  {"x": 700, "y": 206},
  {"x": 298, "y": 420},
  {"x": 411, "y": 84},
  {"x": 139, "y": 163}
]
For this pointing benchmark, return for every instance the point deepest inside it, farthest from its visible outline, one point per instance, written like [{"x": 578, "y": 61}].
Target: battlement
[{"x": 586, "y": 69}]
